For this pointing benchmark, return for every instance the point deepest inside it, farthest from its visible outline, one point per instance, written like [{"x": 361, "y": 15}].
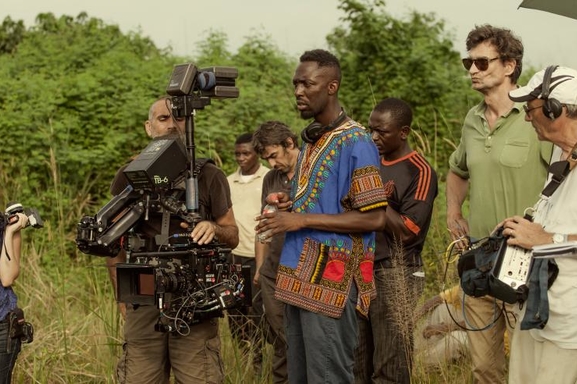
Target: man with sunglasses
[
  {"x": 502, "y": 166},
  {"x": 546, "y": 350}
]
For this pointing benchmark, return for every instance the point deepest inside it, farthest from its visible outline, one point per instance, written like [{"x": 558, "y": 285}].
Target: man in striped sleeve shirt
[{"x": 385, "y": 347}]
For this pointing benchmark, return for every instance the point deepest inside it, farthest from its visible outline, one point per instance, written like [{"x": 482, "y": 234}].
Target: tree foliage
[
  {"x": 412, "y": 59},
  {"x": 75, "y": 91},
  {"x": 265, "y": 87},
  {"x": 71, "y": 95},
  {"x": 11, "y": 33},
  {"x": 76, "y": 86}
]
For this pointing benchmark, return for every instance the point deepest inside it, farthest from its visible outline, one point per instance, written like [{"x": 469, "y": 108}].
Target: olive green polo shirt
[{"x": 506, "y": 168}]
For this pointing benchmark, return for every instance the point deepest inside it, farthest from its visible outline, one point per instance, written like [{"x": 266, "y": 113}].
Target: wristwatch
[{"x": 559, "y": 238}]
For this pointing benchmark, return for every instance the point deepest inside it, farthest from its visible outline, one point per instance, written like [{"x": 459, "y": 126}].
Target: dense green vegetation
[{"x": 74, "y": 93}]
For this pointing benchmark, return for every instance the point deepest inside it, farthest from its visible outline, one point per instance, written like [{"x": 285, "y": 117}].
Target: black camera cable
[{"x": 468, "y": 326}]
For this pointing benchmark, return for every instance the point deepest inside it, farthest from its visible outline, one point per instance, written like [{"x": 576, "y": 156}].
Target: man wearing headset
[
  {"x": 337, "y": 202},
  {"x": 501, "y": 165},
  {"x": 544, "y": 348}
]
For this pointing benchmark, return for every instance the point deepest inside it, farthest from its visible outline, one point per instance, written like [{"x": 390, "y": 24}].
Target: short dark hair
[
  {"x": 244, "y": 138},
  {"x": 323, "y": 59},
  {"x": 400, "y": 111},
  {"x": 272, "y": 132},
  {"x": 508, "y": 45}
]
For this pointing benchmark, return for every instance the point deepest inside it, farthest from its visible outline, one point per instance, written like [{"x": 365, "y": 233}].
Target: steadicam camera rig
[{"x": 186, "y": 281}]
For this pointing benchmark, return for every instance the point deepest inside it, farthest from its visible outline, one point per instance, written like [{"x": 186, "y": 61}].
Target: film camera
[
  {"x": 34, "y": 219},
  {"x": 187, "y": 282}
]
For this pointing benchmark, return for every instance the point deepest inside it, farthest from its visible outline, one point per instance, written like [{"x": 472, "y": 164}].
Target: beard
[{"x": 307, "y": 114}]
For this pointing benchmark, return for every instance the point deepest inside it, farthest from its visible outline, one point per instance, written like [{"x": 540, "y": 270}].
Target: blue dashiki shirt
[{"x": 339, "y": 173}]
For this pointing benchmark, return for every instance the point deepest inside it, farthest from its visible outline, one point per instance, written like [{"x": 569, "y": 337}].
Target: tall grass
[{"x": 78, "y": 329}]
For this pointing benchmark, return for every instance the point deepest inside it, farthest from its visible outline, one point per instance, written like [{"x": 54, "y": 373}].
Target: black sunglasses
[{"x": 481, "y": 63}]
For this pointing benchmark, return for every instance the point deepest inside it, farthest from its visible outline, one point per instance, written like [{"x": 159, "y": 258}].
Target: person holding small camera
[
  {"x": 10, "y": 240},
  {"x": 278, "y": 145}
]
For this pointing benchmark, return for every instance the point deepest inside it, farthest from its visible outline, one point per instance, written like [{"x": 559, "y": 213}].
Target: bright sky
[{"x": 298, "y": 25}]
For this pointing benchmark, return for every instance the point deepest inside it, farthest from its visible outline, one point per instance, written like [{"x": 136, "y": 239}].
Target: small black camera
[
  {"x": 18, "y": 328},
  {"x": 34, "y": 219}
]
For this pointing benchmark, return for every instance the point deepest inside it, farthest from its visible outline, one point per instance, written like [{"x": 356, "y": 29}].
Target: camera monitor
[{"x": 158, "y": 165}]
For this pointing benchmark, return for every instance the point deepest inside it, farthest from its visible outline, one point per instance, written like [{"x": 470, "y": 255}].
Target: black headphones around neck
[
  {"x": 552, "y": 108},
  {"x": 315, "y": 130}
]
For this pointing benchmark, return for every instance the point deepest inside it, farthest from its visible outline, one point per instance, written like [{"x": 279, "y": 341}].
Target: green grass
[
  {"x": 68, "y": 298},
  {"x": 78, "y": 330}
]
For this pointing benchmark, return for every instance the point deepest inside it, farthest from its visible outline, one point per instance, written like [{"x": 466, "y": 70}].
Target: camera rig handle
[{"x": 98, "y": 235}]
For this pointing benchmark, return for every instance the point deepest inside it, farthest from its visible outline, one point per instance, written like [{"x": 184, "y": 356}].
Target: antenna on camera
[{"x": 191, "y": 89}]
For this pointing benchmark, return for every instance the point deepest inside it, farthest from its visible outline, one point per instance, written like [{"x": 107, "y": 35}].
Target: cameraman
[
  {"x": 149, "y": 355},
  {"x": 10, "y": 241}
]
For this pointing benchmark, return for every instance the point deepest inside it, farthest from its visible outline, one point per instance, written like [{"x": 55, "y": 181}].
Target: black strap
[
  {"x": 199, "y": 163},
  {"x": 559, "y": 171},
  {"x": 162, "y": 238}
]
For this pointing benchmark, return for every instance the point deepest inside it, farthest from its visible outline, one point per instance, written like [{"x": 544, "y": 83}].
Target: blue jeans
[
  {"x": 321, "y": 348},
  {"x": 7, "y": 358}
]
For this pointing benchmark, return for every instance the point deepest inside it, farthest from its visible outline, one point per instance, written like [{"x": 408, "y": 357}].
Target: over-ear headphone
[
  {"x": 315, "y": 130},
  {"x": 552, "y": 108}
]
